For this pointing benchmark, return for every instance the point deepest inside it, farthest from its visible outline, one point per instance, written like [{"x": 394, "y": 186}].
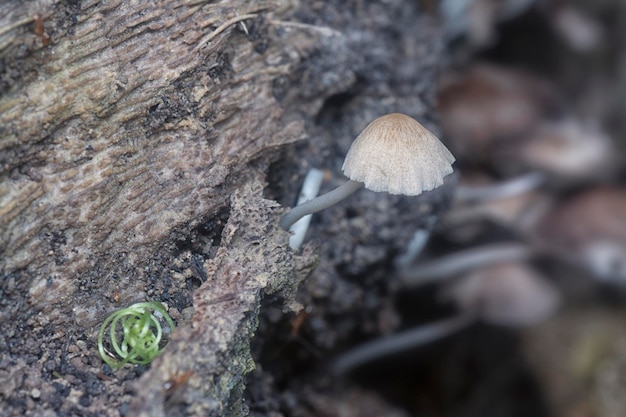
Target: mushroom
[
  {"x": 448, "y": 266},
  {"x": 394, "y": 154},
  {"x": 487, "y": 106},
  {"x": 512, "y": 204},
  {"x": 568, "y": 150},
  {"x": 509, "y": 293},
  {"x": 588, "y": 230},
  {"x": 399, "y": 342},
  {"x": 505, "y": 294}
]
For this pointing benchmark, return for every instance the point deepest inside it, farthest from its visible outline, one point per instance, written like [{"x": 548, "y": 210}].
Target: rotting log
[
  {"x": 126, "y": 127},
  {"x": 135, "y": 138}
]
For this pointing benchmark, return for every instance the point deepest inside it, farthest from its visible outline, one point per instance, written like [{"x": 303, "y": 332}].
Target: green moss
[{"x": 135, "y": 334}]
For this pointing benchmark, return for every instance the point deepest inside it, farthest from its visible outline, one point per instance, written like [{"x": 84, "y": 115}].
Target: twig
[{"x": 208, "y": 38}]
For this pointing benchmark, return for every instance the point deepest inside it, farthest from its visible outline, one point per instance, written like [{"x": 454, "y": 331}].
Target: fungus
[
  {"x": 399, "y": 342},
  {"x": 588, "y": 230},
  {"x": 498, "y": 191},
  {"x": 310, "y": 188},
  {"x": 394, "y": 154},
  {"x": 513, "y": 204},
  {"x": 567, "y": 151},
  {"x": 509, "y": 293},
  {"x": 450, "y": 265},
  {"x": 487, "y": 106},
  {"x": 506, "y": 202}
]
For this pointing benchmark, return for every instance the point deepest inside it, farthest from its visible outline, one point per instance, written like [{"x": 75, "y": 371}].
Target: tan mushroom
[
  {"x": 506, "y": 293},
  {"x": 394, "y": 154},
  {"x": 397, "y": 155}
]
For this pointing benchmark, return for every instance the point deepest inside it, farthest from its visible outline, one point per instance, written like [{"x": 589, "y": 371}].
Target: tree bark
[
  {"x": 135, "y": 140},
  {"x": 126, "y": 128}
]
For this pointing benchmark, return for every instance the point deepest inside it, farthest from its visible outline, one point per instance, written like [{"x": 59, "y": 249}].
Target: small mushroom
[
  {"x": 567, "y": 150},
  {"x": 487, "y": 106},
  {"x": 394, "y": 154},
  {"x": 513, "y": 204},
  {"x": 500, "y": 191},
  {"x": 448, "y": 266},
  {"x": 506, "y": 293},
  {"x": 588, "y": 230}
]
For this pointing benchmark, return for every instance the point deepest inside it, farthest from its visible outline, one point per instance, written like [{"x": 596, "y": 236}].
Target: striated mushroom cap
[{"x": 398, "y": 155}]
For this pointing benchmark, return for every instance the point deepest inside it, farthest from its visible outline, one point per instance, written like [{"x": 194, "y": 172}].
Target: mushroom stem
[
  {"x": 505, "y": 189},
  {"x": 409, "y": 339},
  {"x": 450, "y": 265},
  {"x": 319, "y": 203},
  {"x": 310, "y": 189}
]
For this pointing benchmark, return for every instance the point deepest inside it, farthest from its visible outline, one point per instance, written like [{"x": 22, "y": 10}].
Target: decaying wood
[
  {"x": 140, "y": 122},
  {"x": 135, "y": 140},
  {"x": 133, "y": 124},
  {"x": 249, "y": 263}
]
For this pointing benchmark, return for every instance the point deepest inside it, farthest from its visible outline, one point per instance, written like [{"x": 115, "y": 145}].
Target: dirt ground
[{"x": 400, "y": 56}]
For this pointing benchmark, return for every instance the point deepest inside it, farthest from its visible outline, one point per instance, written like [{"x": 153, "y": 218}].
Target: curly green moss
[{"x": 135, "y": 334}]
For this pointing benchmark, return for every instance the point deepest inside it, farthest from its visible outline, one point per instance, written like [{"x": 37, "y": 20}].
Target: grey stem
[
  {"x": 399, "y": 342},
  {"x": 319, "y": 203},
  {"x": 505, "y": 189},
  {"x": 310, "y": 189},
  {"x": 463, "y": 261}
]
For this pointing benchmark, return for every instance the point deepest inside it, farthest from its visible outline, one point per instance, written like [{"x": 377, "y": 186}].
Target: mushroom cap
[
  {"x": 508, "y": 293},
  {"x": 398, "y": 155}
]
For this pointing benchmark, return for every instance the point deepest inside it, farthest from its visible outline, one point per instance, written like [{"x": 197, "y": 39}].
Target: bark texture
[
  {"x": 135, "y": 139},
  {"x": 129, "y": 130},
  {"x": 131, "y": 126}
]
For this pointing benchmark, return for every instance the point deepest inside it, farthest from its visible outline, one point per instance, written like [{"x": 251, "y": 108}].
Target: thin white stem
[
  {"x": 409, "y": 339},
  {"x": 320, "y": 203},
  {"x": 450, "y": 265},
  {"x": 310, "y": 189},
  {"x": 505, "y": 189}
]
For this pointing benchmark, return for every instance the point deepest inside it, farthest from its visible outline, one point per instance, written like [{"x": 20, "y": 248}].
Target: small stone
[
  {"x": 81, "y": 345},
  {"x": 84, "y": 400},
  {"x": 35, "y": 393}
]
